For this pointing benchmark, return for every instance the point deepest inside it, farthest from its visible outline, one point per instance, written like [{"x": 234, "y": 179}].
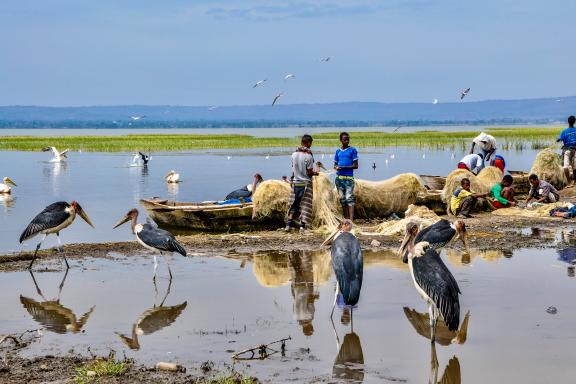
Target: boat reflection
[
  {"x": 451, "y": 375},
  {"x": 53, "y": 315},
  {"x": 153, "y": 320},
  {"x": 421, "y": 324},
  {"x": 349, "y": 363}
]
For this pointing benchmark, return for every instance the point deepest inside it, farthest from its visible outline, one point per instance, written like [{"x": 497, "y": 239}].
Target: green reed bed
[{"x": 508, "y": 138}]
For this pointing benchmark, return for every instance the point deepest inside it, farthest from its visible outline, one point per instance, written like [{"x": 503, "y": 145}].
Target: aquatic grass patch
[
  {"x": 517, "y": 138},
  {"x": 97, "y": 369}
]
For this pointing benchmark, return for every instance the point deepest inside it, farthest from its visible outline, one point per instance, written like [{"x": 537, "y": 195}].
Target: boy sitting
[
  {"x": 464, "y": 200},
  {"x": 503, "y": 193}
]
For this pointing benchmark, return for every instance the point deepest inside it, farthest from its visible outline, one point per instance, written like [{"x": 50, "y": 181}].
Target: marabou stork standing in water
[
  {"x": 53, "y": 219},
  {"x": 58, "y": 156},
  {"x": 152, "y": 238},
  {"x": 348, "y": 263},
  {"x": 432, "y": 280},
  {"x": 5, "y": 187},
  {"x": 441, "y": 233}
]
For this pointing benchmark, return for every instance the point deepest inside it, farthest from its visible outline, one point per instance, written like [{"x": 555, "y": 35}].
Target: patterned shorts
[{"x": 345, "y": 189}]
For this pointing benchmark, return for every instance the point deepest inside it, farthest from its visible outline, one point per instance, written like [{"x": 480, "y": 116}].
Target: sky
[{"x": 203, "y": 53}]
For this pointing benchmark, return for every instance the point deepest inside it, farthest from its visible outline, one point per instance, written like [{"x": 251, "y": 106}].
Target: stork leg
[
  {"x": 62, "y": 284},
  {"x": 335, "y": 298},
  {"x": 36, "y": 252},
  {"x": 352, "y": 319},
  {"x": 433, "y": 365},
  {"x": 155, "y": 267},
  {"x": 61, "y": 249},
  {"x": 169, "y": 270},
  {"x": 433, "y": 316}
]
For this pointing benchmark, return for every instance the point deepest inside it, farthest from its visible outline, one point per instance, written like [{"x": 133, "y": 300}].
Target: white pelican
[
  {"x": 53, "y": 219},
  {"x": 172, "y": 177},
  {"x": 58, "y": 156},
  {"x": 435, "y": 101},
  {"x": 289, "y": 76},
  {"x": 4, "y": 187},
  {"x": 278, "y": 96},
  {"x": 464, "y": 93},
  {"x": 259, "y": 83}
]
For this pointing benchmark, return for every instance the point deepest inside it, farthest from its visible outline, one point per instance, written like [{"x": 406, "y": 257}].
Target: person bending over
[
  {"x": 472, "y": 162},
  {"x": 542, "y": 191},
  {"x": 503, "y": 193},
  {"x": 247, "y": 190}
]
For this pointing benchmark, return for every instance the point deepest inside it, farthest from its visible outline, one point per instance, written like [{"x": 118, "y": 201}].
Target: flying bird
[
  {"x": 432, "y": 280},
  {"x": 212, "y": 108},
  {"x": 53, "y": 219},
  {"x": 137, "y": 117},
  {"x": 278, "y": 96},
  {"x": 289, "y": 76},
  {"x": 464, "y": 93},
  {"x": 58, "y": 156},
  {"x": 153, "y": 238},
  {"x": 4, "y": 187},
  {"x": 374, "y": 166},
  {"x": 325, "y": 59},
  {"x": 435, "y": 101},
  {"x": 396, "y": 129},
  {"x": 259, "y": 83}
]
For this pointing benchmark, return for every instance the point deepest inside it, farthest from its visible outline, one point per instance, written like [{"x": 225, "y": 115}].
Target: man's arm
[{"x": 472, "y": 148}]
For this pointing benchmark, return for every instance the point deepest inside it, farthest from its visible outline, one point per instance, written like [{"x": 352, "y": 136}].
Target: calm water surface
[
  {"x": 107, "y": 186},
  {"x": 222, "y": 304}
]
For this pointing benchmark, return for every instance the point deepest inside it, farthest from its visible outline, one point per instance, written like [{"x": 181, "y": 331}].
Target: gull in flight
[
  {"x": 325, "y": 59},
  {"x": 278, "y": 96},
  {"x": 464, "y": 93},
  {"x": 137, "y": 117},
  {"x": 435, "y": 101},
  {"x": 396, "y": 129},
  {"x": 259, "y": 82},
  {"x": 289, "y": 76},
  {"x": 212, "y": 108},
  {"x": 58, "y": 156}
]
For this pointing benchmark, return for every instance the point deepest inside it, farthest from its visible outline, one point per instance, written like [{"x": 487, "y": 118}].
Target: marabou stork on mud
[
  {"x": 441, "y": 233},
  {"x": 153, "y": 238},
  {"x": 348, "y": 264},
  {"x": 53, "y": 219},
  {"x": 432, "y": 280}
]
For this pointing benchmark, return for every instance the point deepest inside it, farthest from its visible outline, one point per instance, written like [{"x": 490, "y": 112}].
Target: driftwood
[
  {"x": 234, "y": 235},
  {"x": 262, "y": 350}
]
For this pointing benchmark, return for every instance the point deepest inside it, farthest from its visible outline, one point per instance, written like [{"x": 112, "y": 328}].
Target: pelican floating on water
[
  {"x": 172, "y": 177},
  {"x": 155, "y": 239},
  {"x": 433, "y": 281},
  {"x": 53, "y": 219},
  {"x": 4, "y": 187},
  {"x": 58, "y": 156}
]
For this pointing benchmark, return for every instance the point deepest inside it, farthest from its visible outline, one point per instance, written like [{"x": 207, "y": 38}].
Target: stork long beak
[
  {"x": 123, "y": 220},
  {"x": 331, "y": 237},
  {"x": 8, "y": 181},
  {"x": 85, "y": 217},
  {"x": 406, "y": 246}
]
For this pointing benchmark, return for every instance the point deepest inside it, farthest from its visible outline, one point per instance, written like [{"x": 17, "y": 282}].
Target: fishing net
[
  {"x": 421, "y": 215},
  {"x": 548, "y": 167},
  {"x": 539, "y": 211},
  {"x": 271, "y": 199}
]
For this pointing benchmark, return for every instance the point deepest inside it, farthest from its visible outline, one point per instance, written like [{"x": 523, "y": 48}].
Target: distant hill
[{"x": 548, "y": 110}]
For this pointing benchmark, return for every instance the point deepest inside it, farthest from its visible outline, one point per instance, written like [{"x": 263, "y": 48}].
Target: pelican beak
[
  {"x": 8, "y": 181},
  {"x": 331, "y": 237},
  {"x": 123, "y": 220},
  {"x": 85, "y": 217}
]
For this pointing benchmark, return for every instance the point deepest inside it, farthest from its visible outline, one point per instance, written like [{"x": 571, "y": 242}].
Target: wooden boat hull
[{"x": 204, "y": 216}]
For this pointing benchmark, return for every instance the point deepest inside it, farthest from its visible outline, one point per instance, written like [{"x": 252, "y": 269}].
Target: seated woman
[
  {"x": 503, "y": 193},
  {"x": 247, "y": 190}
]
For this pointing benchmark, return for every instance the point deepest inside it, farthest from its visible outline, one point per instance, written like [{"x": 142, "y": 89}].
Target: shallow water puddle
[{"x": 217, "y": 305}]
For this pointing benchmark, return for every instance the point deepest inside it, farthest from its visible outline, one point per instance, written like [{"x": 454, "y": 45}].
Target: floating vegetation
[{"x": 508, "y": 138}]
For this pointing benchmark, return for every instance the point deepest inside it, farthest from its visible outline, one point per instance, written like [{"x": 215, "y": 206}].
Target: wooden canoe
[{"x": 205, "y": 216}]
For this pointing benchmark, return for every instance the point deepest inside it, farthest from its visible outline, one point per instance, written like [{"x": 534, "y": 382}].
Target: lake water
[
  {"x": 107, "y": 187},
  {"x": 218, "y": 305}
]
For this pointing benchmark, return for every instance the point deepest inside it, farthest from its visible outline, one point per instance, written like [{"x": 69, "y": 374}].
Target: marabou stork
[
  {"x": 441, "y": 233},
  {"x": 172, "y": 177},
  {"x": 58, "y": 156},
  {"x": 152, "y": 238},
  {"x": 348, "y": 263},
  {"x": 53, "y": 219},
  {"x": 432, "y": 280},
  {"x": 4, "y": 187}
]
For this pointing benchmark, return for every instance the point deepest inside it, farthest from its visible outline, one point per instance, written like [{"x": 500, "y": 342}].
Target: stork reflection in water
[
  {"x": 153, "y": 320},
  {"x": 153, "y": 238},
  {"x": 452, "y": 373},
  {"x": 53, "y": 315},
  {"x": 432, "y": 280},
  {"x": 349, "y": 363},
  {"x": 53, "y": 219}
]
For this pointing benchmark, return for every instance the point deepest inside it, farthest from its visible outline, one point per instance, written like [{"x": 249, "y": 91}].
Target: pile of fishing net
[
  {"x": 373, "y": 199},
  {"x": 536, "y": 211},
  {"x": 548, "y": 167},
  {"x": 481, "y": 183},
  {"x": 421, "y": 215}
]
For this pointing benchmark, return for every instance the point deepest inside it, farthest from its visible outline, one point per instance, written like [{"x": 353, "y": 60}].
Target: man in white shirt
[
  {"x": 472, "y": 162},
  {"x": 487, "y": 144}
]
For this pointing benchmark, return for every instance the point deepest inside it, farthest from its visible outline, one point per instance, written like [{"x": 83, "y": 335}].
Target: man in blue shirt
[
  {"x": 345, "y": 162},
  {"x": 568, "y": 138}
]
